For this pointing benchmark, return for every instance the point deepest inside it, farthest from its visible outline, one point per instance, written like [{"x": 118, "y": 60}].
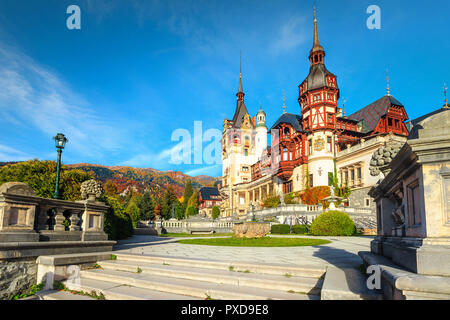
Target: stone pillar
[
  {"x": 43, "y": 218},
  {"x": 74, "y": 220},
  {"x": 59, "y": 219}
]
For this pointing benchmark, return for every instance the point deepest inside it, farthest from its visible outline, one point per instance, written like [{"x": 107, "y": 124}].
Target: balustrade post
[
  {"x": 59, "y": 219},
  {"x": 43, "y": 218},
  {"x": 74, "y": 220}
]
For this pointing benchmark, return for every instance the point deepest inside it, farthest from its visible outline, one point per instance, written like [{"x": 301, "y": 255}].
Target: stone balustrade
[
  {"x": 198, "y": 225},
  {"x": 24, "y": 217}
]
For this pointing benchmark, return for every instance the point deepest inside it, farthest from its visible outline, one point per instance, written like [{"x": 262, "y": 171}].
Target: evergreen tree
[
  {"x": 146, "y": 207},
  {"x": 169, "y": 199}
]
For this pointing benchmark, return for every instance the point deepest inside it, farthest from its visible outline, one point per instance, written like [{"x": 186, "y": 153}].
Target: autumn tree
[
  {"x": 110, "y": 188},
  {"x": 188, "y": 191},
  {"x": 192, "y": 205},
  {"x": 41, "y": 176}
]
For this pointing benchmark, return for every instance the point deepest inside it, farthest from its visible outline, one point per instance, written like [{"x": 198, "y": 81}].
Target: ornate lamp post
[{"x": 60, "y": 142}]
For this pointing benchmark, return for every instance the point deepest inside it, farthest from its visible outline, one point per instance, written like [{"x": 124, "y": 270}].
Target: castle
[{"x": 309, "y": 149}]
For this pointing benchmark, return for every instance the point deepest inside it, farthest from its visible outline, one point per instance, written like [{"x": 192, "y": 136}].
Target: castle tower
[
  {"x": 318, "y": 96},
  {"x": 261, "y": 133}
]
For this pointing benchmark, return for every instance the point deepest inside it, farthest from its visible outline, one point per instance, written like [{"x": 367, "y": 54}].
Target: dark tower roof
[
  {"x": 241, "y": 111},
  {"x": 317, "y": 77}
]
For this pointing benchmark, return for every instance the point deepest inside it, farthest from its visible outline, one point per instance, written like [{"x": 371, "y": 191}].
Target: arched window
[{"x": 236, "y": 138}]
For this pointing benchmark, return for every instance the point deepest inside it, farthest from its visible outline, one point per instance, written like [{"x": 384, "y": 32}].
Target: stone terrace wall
[{"x": 16, "y": 276}]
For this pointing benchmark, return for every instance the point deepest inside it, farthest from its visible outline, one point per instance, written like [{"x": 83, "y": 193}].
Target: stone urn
[
  {"x": 251, "y": 229},
  {"x": 91, "y": 190}
]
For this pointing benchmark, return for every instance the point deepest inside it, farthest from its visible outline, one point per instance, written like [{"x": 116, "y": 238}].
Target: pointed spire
[
  {"x": 445, "y": 95},
  {"x": 343, "y": 107},
  {"x": 387, "y": 81},
  {"x": 316, "y": 43},
  {"x": 240, "y": 93},
  {"x": 240, "y": 75},
  {"x": 284, "y": 103}
]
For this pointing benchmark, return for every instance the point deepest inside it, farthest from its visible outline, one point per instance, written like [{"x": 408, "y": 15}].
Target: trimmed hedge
[
  {"x": 279, "y": 229},
  {"x": 333, "y": 223},
  {"x": 299, "y": 229}
]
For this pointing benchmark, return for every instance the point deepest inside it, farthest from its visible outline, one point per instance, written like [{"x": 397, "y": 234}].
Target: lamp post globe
[{"x": 60, "y": 143}]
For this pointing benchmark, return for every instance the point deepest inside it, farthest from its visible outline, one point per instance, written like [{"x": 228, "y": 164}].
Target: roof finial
[
  {"x": 445, "y": 95},
  {"x": 343, "y": 107},
  {"x": 240, "y": 65},
  {"x": 240, "y": 73},
  {"x": 284, "y": 103},
  {"x": 314, "y": 7},
  {"x": 387, "y": 81},
  {"x": 316, "y": 43}
]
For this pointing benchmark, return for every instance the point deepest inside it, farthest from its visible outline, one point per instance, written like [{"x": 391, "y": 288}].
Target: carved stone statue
[{"x": 282, "y": 199}]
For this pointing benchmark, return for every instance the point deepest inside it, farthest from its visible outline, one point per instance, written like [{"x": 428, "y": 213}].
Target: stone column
[
  {"x": 74, "y": 220},
  {"x": 43, "y": 218},
  {"x": 59, "y": 219}
]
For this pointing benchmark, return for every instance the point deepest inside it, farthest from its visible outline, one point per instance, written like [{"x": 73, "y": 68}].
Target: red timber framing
[
  {"x": 393, "y": 121},
  {"x": 289, "y": 151},
  {"x": 314, "y": 104}
]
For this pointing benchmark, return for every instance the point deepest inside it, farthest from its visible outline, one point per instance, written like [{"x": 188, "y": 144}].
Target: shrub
[
  {"x": 333, "y": 223},
  {"x": 280, "y": 229},
  {"x": 215, "y": 212},
  {"x": 291, "y": 198},
  {"x": 315, "y": 195},
  {"x": 271, "y": 201},
  {"x": 190, "y": 211},
  {"x": 300, "y": 229}
]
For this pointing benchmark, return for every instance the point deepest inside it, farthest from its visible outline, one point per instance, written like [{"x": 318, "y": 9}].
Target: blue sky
[{"x": 140, "y": 69}]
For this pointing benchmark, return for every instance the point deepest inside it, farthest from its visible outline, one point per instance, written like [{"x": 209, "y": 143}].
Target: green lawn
[
  {"x": 254, "y": 242},
  {"x": 181, "y": 235}
]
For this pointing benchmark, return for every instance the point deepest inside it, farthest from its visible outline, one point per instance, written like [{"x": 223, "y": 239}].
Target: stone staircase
[{"x": 138, "y": 277}]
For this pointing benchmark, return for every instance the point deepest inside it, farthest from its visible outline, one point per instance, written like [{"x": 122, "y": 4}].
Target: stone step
[
  {"x": 114, "y": 291},
  {"x": 265, "y": 281},
  {"x": 275, "y": 269},
  {"x": 60, "y": 295},
  {"x": 194, "y": 288}
]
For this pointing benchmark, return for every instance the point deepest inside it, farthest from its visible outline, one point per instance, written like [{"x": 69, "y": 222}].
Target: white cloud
[
  {"x": 36, "y": 97},
  {"x": 291, "y": 34},
  {"x": 211, "y": 170},
  {"x": 11, "y": 154}
]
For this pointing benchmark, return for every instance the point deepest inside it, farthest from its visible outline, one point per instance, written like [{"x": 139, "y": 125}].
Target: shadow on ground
[{"x": 338, "y": 257}]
